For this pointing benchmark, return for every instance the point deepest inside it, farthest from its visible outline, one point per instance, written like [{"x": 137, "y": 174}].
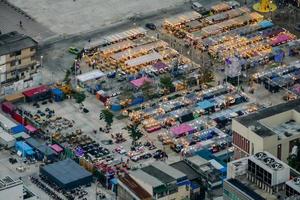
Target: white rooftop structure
[
  {"x": 143, "y": 59},
  {"x": 176, "y": 174},
  {"x": 182, "y": 18},
  {"x": 6, "y": 123},
  {"x": 138, "y": 49},
  {"x": 124, "y": 35},
  {"x": 88, "y": 76},
  {"x": 140, "y": 175}
]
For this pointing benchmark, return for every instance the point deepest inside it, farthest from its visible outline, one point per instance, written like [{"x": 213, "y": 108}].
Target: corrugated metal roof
[
  {"x": 145, "y": 177},
  {"x": 6, "y": 123},
  {"x": 176, "y": 174}
]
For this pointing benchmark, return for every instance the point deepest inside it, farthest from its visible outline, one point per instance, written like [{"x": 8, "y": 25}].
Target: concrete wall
[
  {"x": 256, "y": 142},
  {"x": 280, "y": 118},
  {"x": 181, "y": 194},
  {"x": 144, "y": 185}
]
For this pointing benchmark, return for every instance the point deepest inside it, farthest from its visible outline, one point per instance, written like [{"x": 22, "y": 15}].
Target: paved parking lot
[
  {"x": 75, "y": 16},
  {"x": 10, "y": 18}
]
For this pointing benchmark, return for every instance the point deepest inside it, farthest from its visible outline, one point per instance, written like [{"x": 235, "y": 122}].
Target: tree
[
  {"x": 206, "y": 75},
  {"x": 166, "y": 82},
  {"x": 127, "y": 93},
  {"x": 79, "y": 97},
  {"x": 134, "y": 132},
  {"x": 148, "y": 90},
  {"x": 107, "y": 116}
]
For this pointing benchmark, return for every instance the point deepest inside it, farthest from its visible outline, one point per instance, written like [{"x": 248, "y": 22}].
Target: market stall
[{"x": 181, "y": 130}]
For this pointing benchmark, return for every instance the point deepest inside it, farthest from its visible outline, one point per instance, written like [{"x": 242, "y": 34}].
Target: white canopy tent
[{"x": 88, "y": 76}]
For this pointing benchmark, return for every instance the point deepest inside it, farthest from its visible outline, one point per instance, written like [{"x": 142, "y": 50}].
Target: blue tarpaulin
[
  {"x": 24, "y": 148},
  {"x": 205, "y": 104},
  {"x": 57, "y": 94},
  {"x": 18, "y": 129},
  {"x": 265, "y": 24}
]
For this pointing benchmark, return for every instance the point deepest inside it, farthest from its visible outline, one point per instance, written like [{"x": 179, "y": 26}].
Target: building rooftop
[
  {"x": 160, "y": 175},
  {"x": 14, "y": 41},
  {"x": 294, "y": 183},
  {"x": 134, "y": 187},
  {"x": 145, "y": 177},
  {"x": 186, "y": 169},
  {"x": 7, "y": 182},
  {"x": 253, "y": 120},
  {"x": 244, "y": 188},
  {"x": 173, "y": 172}
]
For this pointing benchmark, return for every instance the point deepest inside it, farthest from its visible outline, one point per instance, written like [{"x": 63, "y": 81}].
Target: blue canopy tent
[
  {"x": 265, "y": 24},
  {"x": 58, "y": 94},
  {"x": 18, "y": 129},
  {"x": 205, "y": 105},
  {"x": 24, "y": 148}
]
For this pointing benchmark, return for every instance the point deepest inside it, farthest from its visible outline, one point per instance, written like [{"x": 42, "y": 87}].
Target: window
[
  {"x": 16, "y": 53},
  {"x": 12, "y": 63},
  {"x": 279, "y": 151}
]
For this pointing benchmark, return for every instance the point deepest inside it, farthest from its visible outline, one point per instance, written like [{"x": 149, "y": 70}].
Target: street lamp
[
  {"x": 41, "y": 61},
  {"x": 75, "y": 70}
]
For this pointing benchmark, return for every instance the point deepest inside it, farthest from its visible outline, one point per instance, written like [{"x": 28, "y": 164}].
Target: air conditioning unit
[
  {"x": 276, "y": 166},
  {"x": 260, "y": 155},
  {"x": 297, "y": 180},
  {"x": 268, "y": 160}
]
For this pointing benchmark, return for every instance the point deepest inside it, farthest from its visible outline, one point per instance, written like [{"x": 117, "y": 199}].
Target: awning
[
  {"x": 181, "y": 129},
  {"x": 21, "y": 135},
  {"x": 30, "y": 128},
  {"x": 140, "y": 82},
  {"x": 36, "y": 91},
  {"x": 56, "y": 148},
  {"x": 143, "y": 59}
]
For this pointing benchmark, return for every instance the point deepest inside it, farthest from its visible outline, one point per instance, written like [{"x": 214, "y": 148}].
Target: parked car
[
  {"x": 150, "y": 26},
  {"x": 74, "y": 50}
]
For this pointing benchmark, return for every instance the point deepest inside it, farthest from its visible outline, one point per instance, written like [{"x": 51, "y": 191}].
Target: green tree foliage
[
  {"x": 134, "y": 132},
  {"x": 79, "y": 97},
  {"x": 107, "y": 116},
  {"x": 166, "y": 82}
]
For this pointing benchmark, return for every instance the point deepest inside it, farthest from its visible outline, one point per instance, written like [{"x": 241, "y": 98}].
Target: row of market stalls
[
  {"x": 133, "y": 53},
  {"x": 282, "y": 77},
  {"x": 186, "y": 107},
  {"x": 235, "y": 32}
]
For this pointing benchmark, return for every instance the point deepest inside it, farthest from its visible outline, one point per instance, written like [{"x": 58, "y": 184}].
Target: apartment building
[
  {"x": 275, "y": 129},
  {"x": 17, "y": 57}
]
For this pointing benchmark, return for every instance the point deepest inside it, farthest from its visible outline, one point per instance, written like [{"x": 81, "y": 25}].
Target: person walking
[{"x": 21, "y": 24}]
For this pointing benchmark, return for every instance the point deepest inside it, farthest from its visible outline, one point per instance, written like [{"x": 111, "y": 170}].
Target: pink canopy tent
[
  {"x": 57, "y": 148},
  {"x": 140, "y": 81},
  {"x": 281, "y": 38},
  {"x": 180, "y": 130},
  {"x": 30, "y": 128}
]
